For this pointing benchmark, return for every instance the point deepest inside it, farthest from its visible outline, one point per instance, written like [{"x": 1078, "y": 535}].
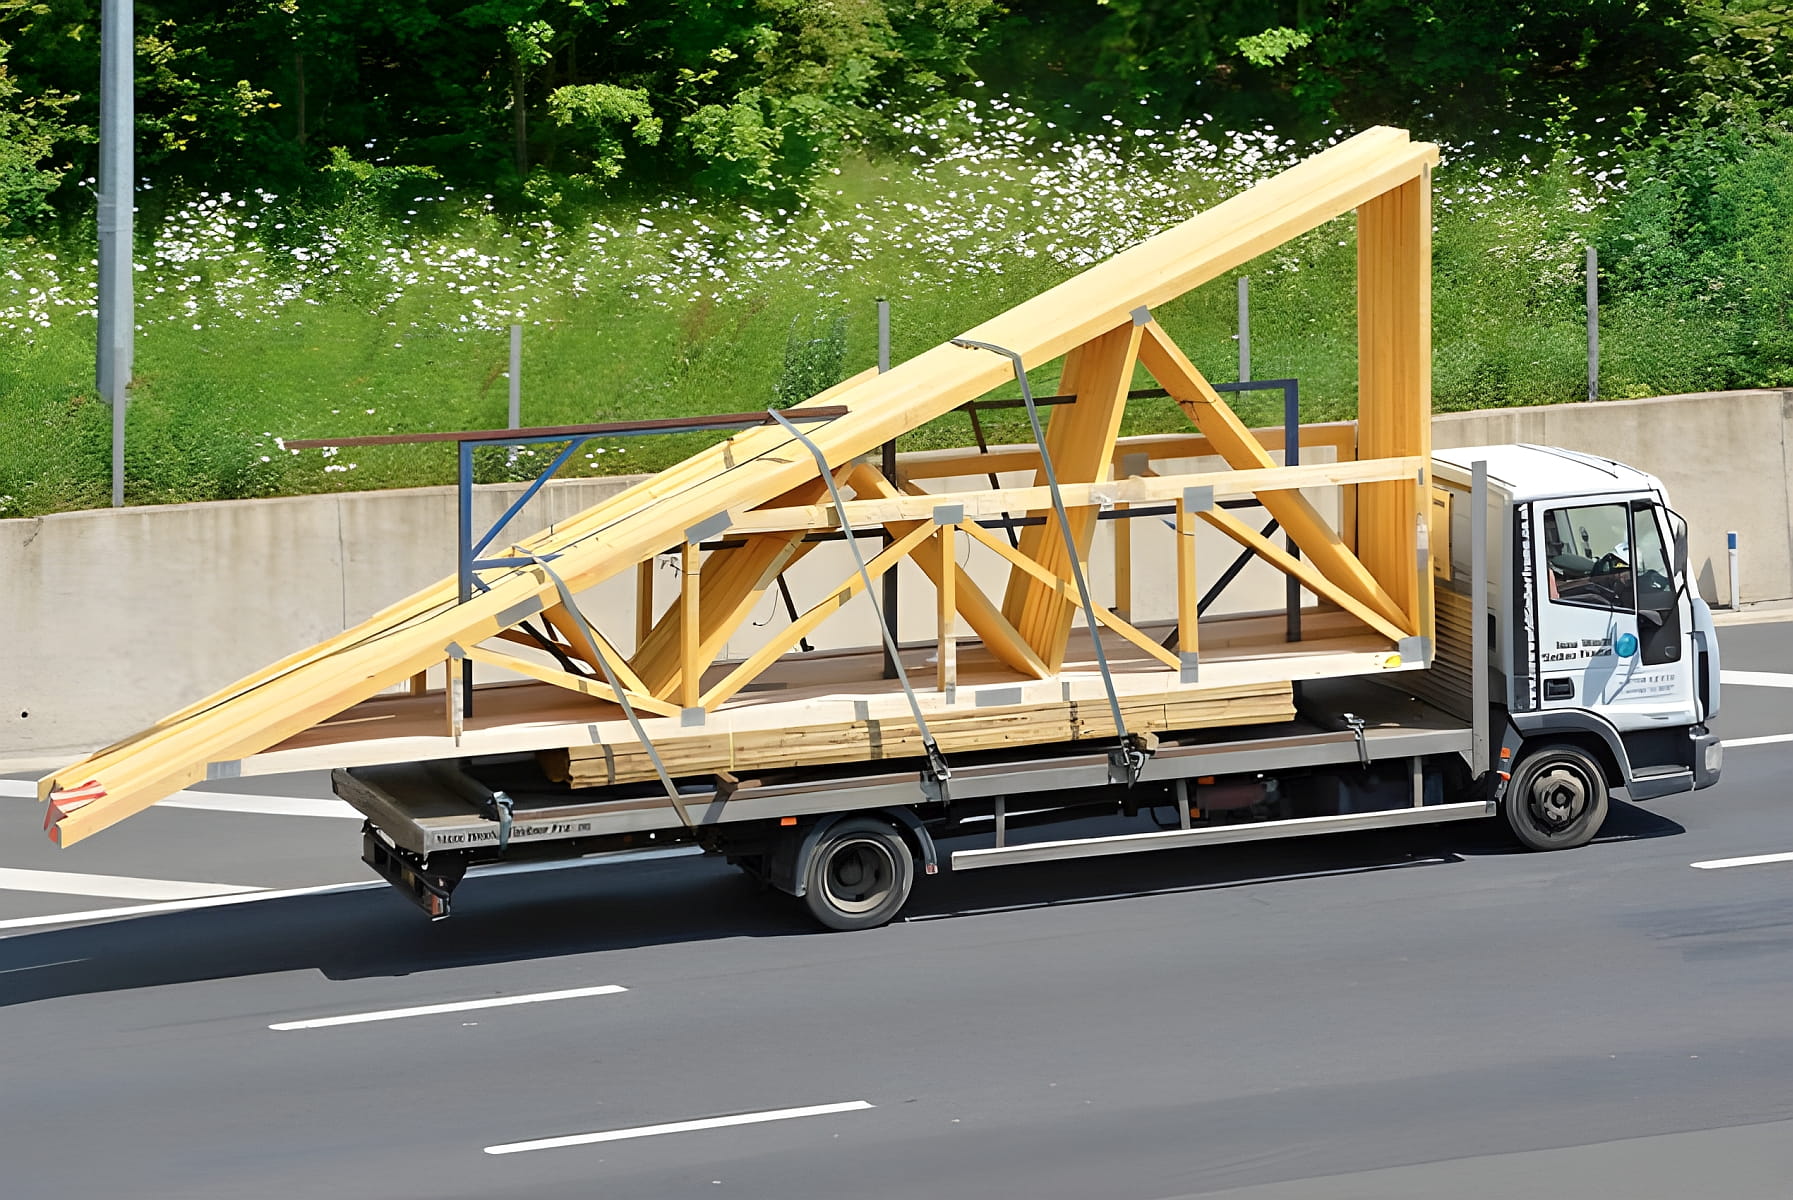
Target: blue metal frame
[{"x": 469, "y": 550}]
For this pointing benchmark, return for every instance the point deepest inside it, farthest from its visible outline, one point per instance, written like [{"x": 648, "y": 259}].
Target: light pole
[{"x": 117, "y": 133}]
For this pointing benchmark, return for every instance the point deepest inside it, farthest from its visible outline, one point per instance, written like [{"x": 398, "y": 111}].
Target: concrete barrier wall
[
  {"x": 1724, "y": 457},
  {"x": 111, "y": 619}
]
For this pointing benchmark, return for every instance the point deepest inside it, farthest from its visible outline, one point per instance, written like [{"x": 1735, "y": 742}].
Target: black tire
[
  {"x": 859, "y": 875},
  {"x": 1557, "y": 799}
]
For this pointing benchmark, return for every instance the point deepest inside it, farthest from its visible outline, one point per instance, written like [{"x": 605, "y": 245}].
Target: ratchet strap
[
  {"x": 622, "y": 697},
  {"x": 936, "y": 761},
  {"x": 1131, "y": 756}
]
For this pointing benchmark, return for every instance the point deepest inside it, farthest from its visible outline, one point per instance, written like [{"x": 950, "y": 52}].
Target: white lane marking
[
  {"x": 1774, "y": 679},
  {"x": 119, "y": 887},
  {"x": 428, "y": 1010},
  {"x": 1769, "y": 739},
  {"x": 264, "y": 806},
  {"x": 641, "y": 1131},
  {"x": 231, "y": 802},
  {"x": 1716, "y": 864},
  {"x": 144, "y": 910}
]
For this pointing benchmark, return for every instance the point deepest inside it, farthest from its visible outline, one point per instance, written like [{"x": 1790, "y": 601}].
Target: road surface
[{"x": 1419, "y": 1014}]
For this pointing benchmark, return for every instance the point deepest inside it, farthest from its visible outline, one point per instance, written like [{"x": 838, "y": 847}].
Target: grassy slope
[{"x": 340, "y": 324}]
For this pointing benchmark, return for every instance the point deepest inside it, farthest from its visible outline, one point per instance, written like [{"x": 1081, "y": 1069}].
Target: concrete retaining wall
[
  {"x": 109, "y": 619},
  {"x": 1724, "y": 457}
]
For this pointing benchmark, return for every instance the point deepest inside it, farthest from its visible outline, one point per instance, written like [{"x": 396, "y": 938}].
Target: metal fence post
[
  {"x": 888, "y": 464},
  {"x": 117, "y": 134},
  {"x": 1593, "y": 324},
  {"x": 516, "y": 409},
  {"x": 1244, "y": 328}
]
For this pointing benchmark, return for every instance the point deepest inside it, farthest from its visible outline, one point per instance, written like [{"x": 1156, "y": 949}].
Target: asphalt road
[{"x": 1419, "y": 1014}]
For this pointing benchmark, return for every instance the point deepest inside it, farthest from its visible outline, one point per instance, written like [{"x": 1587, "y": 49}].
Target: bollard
[{"x": 1731, "y": 549}]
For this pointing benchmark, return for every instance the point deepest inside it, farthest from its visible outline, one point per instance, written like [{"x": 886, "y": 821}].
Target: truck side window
[
  {"x": 1588, "y": 552},
  {"x": 1655, "y": 583}
]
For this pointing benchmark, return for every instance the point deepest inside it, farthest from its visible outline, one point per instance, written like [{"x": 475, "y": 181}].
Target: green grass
[{"x": 693, "y": 315}]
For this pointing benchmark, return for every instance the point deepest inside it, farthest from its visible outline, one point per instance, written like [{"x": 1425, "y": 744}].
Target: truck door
[{"x": 1611, "y": 633}]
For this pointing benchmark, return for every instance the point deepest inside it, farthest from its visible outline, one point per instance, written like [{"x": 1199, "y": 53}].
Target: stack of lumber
[{"x": 882, "y": 739}]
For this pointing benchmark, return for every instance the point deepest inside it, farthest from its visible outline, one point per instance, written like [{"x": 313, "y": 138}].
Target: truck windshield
[{"x": 1588, "y": 550}]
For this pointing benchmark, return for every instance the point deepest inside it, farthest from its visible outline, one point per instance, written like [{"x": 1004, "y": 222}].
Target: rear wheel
[
  {"x": 1557, "y": 799},
  {"x": 859, "y": 875}
]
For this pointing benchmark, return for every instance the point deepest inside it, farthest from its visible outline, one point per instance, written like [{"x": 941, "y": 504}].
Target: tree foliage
[
  {"x": 536, "y": 99},
  {"x": 746, "y": 95}
]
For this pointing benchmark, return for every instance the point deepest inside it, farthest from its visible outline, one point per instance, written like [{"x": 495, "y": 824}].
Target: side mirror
[{"x": 1678, "y": 531}]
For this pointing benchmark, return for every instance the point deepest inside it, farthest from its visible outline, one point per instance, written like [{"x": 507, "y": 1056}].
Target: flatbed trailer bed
[{"x": 428, "y": 822}]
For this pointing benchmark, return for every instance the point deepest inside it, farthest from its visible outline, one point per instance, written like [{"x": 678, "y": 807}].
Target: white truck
[{"x": 1572, "y": 658}]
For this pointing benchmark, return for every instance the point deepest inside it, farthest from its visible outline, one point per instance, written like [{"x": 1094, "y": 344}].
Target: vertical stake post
[
  {"x": 117, "y": 135},
  {"x": 1244, "y": 329},
  {"x": 888, "y": 466},
  {"x": 1188, "y": 603},
  {"x": 1593, "y": 324},
  {"x": 644, "y": 601},
  {"x": 690, "y": 672},
  {"x": 946, "y": 611}
]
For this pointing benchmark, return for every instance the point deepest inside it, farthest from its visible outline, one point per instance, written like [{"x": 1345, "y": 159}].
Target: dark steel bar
[
  {"x": 464, "y": 499},
  {"x": 464, "y": 521},
  {"x": 983, "y": 447},
  {"x": 790, "y": 607},
  {"x": 888, "y": 465},
  {"x": 1006, "y": 522},
  {"x": 1291, "y": 456},
  {"x": 1255, "y": 385},
  {"x": 554, "y": 433},
  {"x": 1232, "y": 572}
]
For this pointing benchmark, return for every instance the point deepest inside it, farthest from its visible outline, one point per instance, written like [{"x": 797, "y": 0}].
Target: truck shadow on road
[{"x": 618, "y": 906}]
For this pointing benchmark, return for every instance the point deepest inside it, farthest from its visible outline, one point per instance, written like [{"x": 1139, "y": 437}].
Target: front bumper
[{"x": 1708, "y": 759}]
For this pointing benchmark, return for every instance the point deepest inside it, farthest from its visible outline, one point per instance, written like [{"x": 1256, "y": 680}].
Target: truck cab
[{"x": 1602, "y": 661}]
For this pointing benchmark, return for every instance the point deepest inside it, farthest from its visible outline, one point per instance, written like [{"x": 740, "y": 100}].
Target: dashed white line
[
  {"x": 253, "y": 804},
  {"x": 144, "y": 910},
  {"x": 1767, "y": 740},
  {"x": 119, "y": 887},
  {"x": 430, "y": 1010},
  {"x": 641, "y": 1131},
  {"x": 1774, "y": 679},
  {"x": 1753, "y": 860},
  {"x": 261, "y": 806}
]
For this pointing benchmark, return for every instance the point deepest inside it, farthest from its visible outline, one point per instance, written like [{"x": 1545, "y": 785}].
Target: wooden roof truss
[{"x": 761, "y": 500}]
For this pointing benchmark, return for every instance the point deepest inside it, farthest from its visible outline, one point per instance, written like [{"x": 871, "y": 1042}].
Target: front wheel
[
  {"x": 858, "y": 875},
  {"x": 1557, "y": 799}
]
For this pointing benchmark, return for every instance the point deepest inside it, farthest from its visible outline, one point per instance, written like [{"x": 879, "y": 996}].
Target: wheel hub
[
  {"x": 1559, "y": 795},
  {"x": 859, "y": 875}
]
